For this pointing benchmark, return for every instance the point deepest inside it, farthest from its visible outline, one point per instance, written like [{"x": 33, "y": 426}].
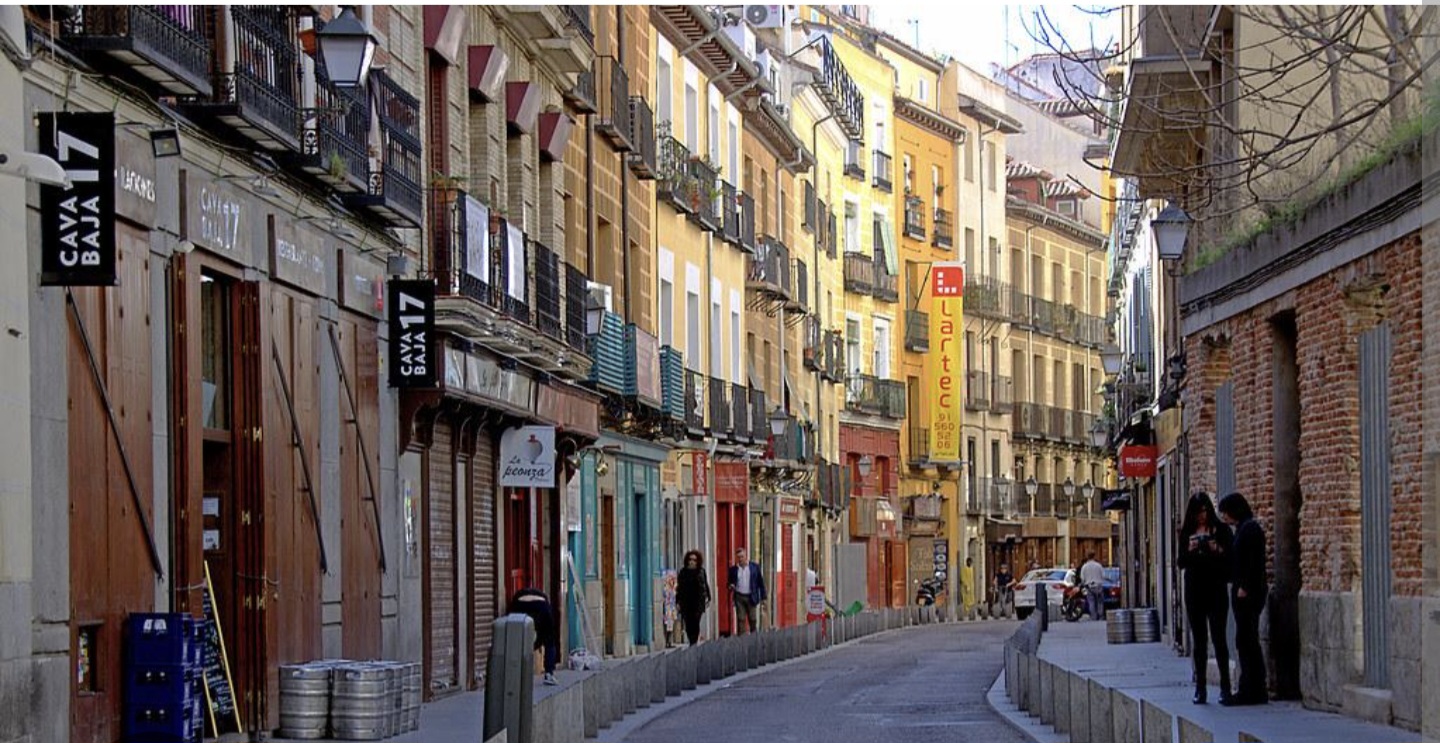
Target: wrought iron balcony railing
[
  {"x": 576, "y": 295},
  {"x": 547, "y": 291},
  {"x": 769, "y": 270},
  {"x": 705, "y": 194},
  {"x": 917, "y": 331},
  {"x": 919, "y": 444},
  {"x": 914, "y": 218},
  {"x": 394, "y": 191},
  {"x": 977, "y": 391},
  {"x": 987, "y": 297},
  {"x": 809, "y": 218},
  {"x": 674, "y": 181},
  {"x": 747, "y": 223},
  {"x": 1002, "y": 396},
  {"x": 759, "y": 416},
  {"x": 613, "y": 115},
  {"x": 859, "y": 273},
  {"x": 729, "y": 214},
  {"x": 578, "y": 16},
  {"x": 642, "y": 134},
  {"x": 696, "y": 391},
  {"x": 582, "y": 96},
  {"x": 449, "y": 249},
  {"x": 812, "y": 343},
  {"x": 258, "y": 96},
  {"x": 839, "y": 91},
  {"x": 892, "y": 398},
  {"x": 739, "y": 412},
  {"x": 862, "y": 394},
  {"x": 944, "y": 236},
  {"x": 887, "y": 285},
  {"x": 720, "y": 423},
  {"x": 164, "y": 45}
]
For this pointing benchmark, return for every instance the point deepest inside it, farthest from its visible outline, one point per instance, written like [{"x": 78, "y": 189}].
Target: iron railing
[
  {"x": 449, "y": 253},
  {"x": 674, "y": 182},
  {"x": 883, "y": 174},
  {"x": 705, "y": 204},
  {"x": 576, "y": 296},
  {"x": 944, "y": 236},
  {"x": 336, "y": 138},
  {"x": 770, "y": 268},
  {"x": 719, "y": 407},
  {"x": 176, "y": 38},
  {"x": 578, "y": 18},
  {"x": 547, "y": 291},
  {"x": 887, "y": 285},
  {"x": 695, "y": 394},
  {"x": 583, "y": 95},
  {"x": 862, "y": 394},
  {"x": 512, "y": 291},
  {"x": 265, "y": 80},
  {"x": 642, "y": 135},
  {"x": 892, "y": 398},
  {"x": 977, "y": 391},
  {"x": 839, "y": 91},
  {"x": 809, "y": 220},
  {"x": 917, "y": 331},
  {"x": 832, "y": 236},
  {"x": 1029, "y": 420},
  {"x": 1002, "y": 396},
  {"x": 396, "y": 186},
  {"x": 919, "y": 444},
  {"x": 747, "y": 223},
  {"x": 915, "y": 218},
  {"x": 740, "y": 422},
  {"x": 811, "y": 340},
  {"x": 613, "y": 85},
  {"x": 802, "y": 285},
  {"x": 759, "y": 416},
  {"x": 729, "y": 214},
  {"x": 859, "y": 273},
  {"x": 854, "y": 159}
]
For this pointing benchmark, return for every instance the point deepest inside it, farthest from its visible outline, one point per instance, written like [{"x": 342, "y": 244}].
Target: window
[
  {"x": 714, "y": 129},
  {"x": 215, "y": 351},
  {"x": 735, "y": 362},
  {"x": 970, "y": 159},
  {"x": 692, "y": 118},
  {"x": 969, "y": 352},
  {"x": 734, "y": 150},
  {"x": 692, "y": 329},
  {"x": 970, "y": 250},
  {"x": 852, "y": 346},
  {"x": 663, "y": 87},
  {"x": 923, "y": 90},
  {"x": 937, "y": 187},
  {"x": 667, "y": 311},
  {"x": 882, "y": 348},
  {"x": 717, "y": 338},
  {"x": 852, "y": 227},
  {"x": 852, "y": 154},
  {"x": 909, "y": 174},
  {"x": 992, "y": 166}
]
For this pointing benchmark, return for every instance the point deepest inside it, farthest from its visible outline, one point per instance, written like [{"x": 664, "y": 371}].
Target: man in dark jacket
[
  {"x": 535, "y": 604},
  {"x": 747, "y": 591},
  {"x": 1248, "y": 592}
]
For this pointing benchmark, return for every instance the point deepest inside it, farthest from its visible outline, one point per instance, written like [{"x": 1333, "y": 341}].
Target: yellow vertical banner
[{"x": 944, "y": 365}]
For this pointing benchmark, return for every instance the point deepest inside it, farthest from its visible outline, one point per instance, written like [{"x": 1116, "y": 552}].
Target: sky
[{"x": 980, "y": 34}]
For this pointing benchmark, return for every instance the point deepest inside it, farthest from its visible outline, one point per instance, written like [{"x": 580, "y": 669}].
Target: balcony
[
  {"x": 977, "y": 391},
  {"x": 1059, "y": 423},
  {"x": 809, "y": 216},
  {"x": 917, "y": 331},
  {"x": 393, "y": 192},
  {"x": 854, "y": 160},
  {"x": 695, "y": 394},
  {"x": 673, "y": 182},
  {"x": 705, "y": 195},
  {"x": 167, "y": 46},
  {"x": 914, "y": 218},
  {"x": 759, "y": 416},
  {"x": 562, "y": 34},
  {"x": 892, "y": 398},
  {"x": 672, "y": 384},
  {"x": 834, "y": 356},
  {"x": 1029, "y": 421},
  {"x": 944, "y": 236},
  {"x": 335, "y": 145},
  {"x": 883, "y": 175},
  {"x": 740, "y": 413},
  {"x": 547, "y": 292},
  {"x": 642, "y": 135},
  {"x": 919, "y": 446},
  {"x": 1042, "y": 316},
  {"x": 582, "y": 96},
  {"x": 987, "y": 297},
  {"x": 512, "y": 290},
  {"x": 800, "y": 299},
  {"x": 887, "y": 285},
  {"x": 859, "y": 273},
  {"x": 1002, "y": 395},
  {"x": 729, "y": 214},
  {"x": 613, "y": 109},
  {"x": 839, "y": 92},
  {"x": 449, "y": 251},
  {"x": 862, "y": 394},
  {"x": 747, "y": 223},
  {"x": 576, "y": 294},
  {"x": 832, "y": 236},
  {"x": 1080, "y": 424},
  {"x": 720, "y": 423},
  {"x": 258, "y": 97},
  {"x": 812, "y": 341},
  {"x": 769, "y": 272}
]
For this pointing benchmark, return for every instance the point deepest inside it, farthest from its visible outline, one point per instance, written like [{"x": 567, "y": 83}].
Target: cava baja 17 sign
[
  {"x": 944, "y": 363},
  {"x": 412, "y": 333},
  {"x": 77, "y": 232}
]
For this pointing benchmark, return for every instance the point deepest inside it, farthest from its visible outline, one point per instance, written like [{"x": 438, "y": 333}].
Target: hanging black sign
[
  {"x": 77, "y": 235},
  {"x": 412, "y": 333}
]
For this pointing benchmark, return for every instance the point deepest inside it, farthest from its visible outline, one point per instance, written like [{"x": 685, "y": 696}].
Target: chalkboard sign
[{"x": 219, "y": 691}]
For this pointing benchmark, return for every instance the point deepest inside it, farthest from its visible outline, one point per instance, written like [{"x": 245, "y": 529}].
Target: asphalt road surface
[{"x": 919, "y": 684}]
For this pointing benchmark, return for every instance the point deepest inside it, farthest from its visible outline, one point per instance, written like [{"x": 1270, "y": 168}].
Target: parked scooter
[
  {"x": 1072, "y": 604},
  {"x": 928, "y": 590}
]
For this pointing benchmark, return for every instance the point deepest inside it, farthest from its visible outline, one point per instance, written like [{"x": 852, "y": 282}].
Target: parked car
[
  {"x": 1112, "y": 588},
  {"x": 1056, "y": 580}
]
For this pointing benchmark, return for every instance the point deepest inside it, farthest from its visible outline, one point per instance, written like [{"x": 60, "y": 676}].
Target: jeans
[
  {"x": 1247, "y": 645},
  {"x": 1095, "y": 598},
  {"x": 1206, "y": 610},
  {"x": 744, "y": 613}
]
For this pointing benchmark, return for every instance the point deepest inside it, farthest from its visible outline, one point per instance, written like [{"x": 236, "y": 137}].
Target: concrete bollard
[
  {"x": 590, "y": 694},
  {"x": 660, "y": 677},
  {"x": 704, "y": 660},
  {"x": 674, "y": 665},
  {"x": 1047, "y": 693},
  {"x": 1102, "y": 728},
  {"x": 510, "y": 680}
]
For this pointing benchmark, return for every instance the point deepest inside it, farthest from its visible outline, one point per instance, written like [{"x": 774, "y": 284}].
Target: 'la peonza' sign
[
  {"x": 77, "y": 224},
  {"x": 412, "y": 333}
]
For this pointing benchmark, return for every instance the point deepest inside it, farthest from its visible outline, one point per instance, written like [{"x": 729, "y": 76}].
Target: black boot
[
  {"x": 1225, "y": 682},
  {"x": 1199, "y": 694}
]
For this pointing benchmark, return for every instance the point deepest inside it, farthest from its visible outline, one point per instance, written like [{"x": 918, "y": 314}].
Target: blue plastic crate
[
  {"x": 163, "y": 724},
  {"x": 160, "y": 686},
  {"x": 162, "y": 639}
]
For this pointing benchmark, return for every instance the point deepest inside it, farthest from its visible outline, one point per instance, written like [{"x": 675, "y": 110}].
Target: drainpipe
[
  {"x": 624, "y": 171},
  {"x": 815, "y": 297}
]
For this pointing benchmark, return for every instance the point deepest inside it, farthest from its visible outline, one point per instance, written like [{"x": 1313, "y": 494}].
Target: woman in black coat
[
  {"x": 1247, "y": 597},
  {"x": 1205, "y": 546},
  {"x": 692, "y": 593}
]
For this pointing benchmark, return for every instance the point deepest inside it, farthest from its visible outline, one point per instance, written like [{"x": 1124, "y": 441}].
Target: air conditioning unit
[{"x": 765, "y": 16}]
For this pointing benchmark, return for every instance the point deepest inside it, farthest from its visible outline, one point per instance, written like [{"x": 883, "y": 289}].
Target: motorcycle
[
  {"x": 1072, "y": 604},
  {"x": 928, "y": 590}
]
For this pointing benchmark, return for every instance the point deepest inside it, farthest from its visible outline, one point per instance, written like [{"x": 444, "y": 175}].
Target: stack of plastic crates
[{"x": 163, "y": 673}]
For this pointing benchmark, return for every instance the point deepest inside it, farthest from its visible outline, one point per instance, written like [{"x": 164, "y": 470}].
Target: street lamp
[
  {"x": 1099, "y": 434},
  {"x": 1110, "y": 359},
  {"x": 347, "y": 48},
  {"x": 1031, "y": 487},
  {"x": 865, "y": 464},
  {"x": 1087, "y": 491},
  {"x": 1172, "y": 226},
  {"x": 1068, "y": 488},
  {"x": 778, "y": 421}
]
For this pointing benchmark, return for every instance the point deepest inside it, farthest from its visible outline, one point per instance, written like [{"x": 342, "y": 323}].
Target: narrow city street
[{"x": 924, "y": 683}]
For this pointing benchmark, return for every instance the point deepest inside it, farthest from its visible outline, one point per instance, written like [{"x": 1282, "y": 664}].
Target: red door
[
  {"x": 785, "y": 595},
  {"x": 729, "y": 536},
  {"x": 519, "y": 536}
]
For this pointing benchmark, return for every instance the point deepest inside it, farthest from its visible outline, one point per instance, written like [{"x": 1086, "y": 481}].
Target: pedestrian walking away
[
  {"x": 1004, "y": 593},
  {"x": 1205, "y": 545},
  {"x": 692, "y": 594},
  {"x": 535, "y": 604},
  {"x": 1247, "y": 597},
  {"x": 747, "y": 591},
  {"x": 1092, "y": 577}
]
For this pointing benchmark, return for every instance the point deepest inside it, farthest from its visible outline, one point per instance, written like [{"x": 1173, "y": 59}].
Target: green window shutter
[{"x": 887, "y": 235}]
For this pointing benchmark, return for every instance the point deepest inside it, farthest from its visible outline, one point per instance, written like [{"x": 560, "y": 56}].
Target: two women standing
[{"x": 1216, "y": 559}]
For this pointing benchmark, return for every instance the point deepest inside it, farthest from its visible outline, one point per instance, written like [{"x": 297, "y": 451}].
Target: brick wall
[{"x": 1328, "y": 326}]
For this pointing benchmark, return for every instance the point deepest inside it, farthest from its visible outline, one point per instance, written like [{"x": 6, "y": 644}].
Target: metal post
[{"x": 1042, "y": 607}]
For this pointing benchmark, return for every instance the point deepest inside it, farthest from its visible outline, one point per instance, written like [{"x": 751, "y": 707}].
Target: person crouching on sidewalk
[{"x": 535, "y": 604}]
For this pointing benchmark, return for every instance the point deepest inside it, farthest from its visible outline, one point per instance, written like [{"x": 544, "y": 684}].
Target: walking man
[
  {"x": 1092, "y": 577},
  {"x": 747, "y": 591}
]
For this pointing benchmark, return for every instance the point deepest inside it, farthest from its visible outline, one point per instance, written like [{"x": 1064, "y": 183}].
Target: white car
[{"x": 1056, "y": 580}]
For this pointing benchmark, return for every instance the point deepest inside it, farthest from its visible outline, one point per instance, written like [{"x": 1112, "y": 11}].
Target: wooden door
[
  {"x": 440, "y": 594},
  {"x": 899, "y": 568},
  {"x": 360, "y": 534},
  {"x": 786, "y": 593},
  {"x": 607, "y": 565}
]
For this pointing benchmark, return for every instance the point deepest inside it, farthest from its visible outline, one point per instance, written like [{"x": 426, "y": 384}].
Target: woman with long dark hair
[
  {"x": 1247, "y": 597},
  {"x": 1205, "y": 546},
  {"x": 692, "y": 593}
]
